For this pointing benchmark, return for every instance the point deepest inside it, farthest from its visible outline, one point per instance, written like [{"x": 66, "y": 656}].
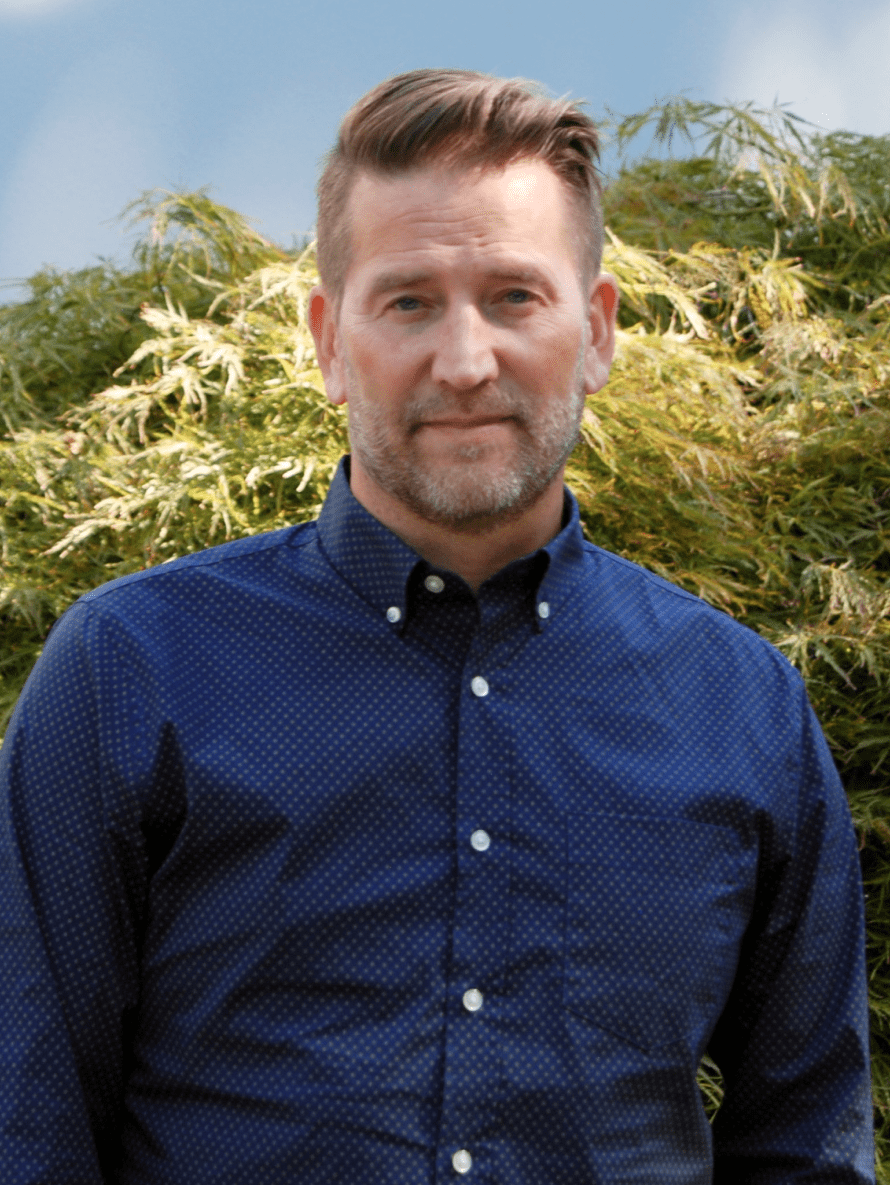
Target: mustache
[{"x": 491, "y": 402}]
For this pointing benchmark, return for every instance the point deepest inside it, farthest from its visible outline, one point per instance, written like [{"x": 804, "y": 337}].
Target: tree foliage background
[{"x": 741, "y": 448}]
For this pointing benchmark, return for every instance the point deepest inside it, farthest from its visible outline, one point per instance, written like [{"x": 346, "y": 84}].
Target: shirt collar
[{"x": 378, "y": 565}]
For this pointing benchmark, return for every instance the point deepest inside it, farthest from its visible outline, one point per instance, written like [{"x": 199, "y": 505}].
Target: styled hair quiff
[{"x": 457, "y": 119}]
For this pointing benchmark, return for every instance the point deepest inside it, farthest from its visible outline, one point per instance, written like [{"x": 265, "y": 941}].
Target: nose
[{"x": 464, "y": 352}]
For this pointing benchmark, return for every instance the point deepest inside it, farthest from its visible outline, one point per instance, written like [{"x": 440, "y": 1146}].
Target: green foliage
[
  {"x": 741, "y": 448},
  {"x": 757, "y": 180},
  {"x": 62, "y": 344}
]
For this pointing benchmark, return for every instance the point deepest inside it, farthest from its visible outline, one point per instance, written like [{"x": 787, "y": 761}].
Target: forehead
[{"x": 447, "y": 216}]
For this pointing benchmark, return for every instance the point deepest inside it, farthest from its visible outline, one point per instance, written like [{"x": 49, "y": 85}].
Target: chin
[{"x": 472, "y": 495}]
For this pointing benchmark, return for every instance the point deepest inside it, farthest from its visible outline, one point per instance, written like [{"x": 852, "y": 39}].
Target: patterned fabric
[{"x": 319, "y": 868}]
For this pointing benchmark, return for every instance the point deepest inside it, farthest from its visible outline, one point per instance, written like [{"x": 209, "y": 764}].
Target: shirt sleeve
[
  {"x": 793, "y": 1040},
  {"x": 72, "y": 875}
]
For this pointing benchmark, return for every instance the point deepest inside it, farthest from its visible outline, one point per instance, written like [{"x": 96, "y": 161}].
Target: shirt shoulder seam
[
  {"x": 647, "y": 573},
  {"x": 204, "y": 559},
  {"x": 726, "y": 620}
]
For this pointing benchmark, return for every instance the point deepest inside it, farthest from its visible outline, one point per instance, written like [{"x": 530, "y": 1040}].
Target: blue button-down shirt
[{"x": 318, "y": 867}]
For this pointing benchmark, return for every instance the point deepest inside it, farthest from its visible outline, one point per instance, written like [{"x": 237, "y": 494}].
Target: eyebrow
[
  {"x": 390, "y": 281},
  {"x": 387, "y": 281}
]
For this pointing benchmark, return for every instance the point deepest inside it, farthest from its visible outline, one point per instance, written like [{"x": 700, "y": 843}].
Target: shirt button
[
  {"x": 462, "y": 1161},
  {"x": 479, "y": 686},
  {"x": 472, "y": 1000},
  {"x": 543, "y": 609},
  {"x": 480, "y": 840},
  {"x": 393, "y": 614},
  {"x": 434, "y": 584}
]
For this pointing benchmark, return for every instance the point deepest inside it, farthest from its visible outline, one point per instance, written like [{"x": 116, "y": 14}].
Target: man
[{"x": 430, "y": 842}]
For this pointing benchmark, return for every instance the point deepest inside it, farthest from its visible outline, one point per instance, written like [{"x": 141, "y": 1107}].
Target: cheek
[
  {"x": 551, "y": 363},
  {"x": 382, "y": 366}
]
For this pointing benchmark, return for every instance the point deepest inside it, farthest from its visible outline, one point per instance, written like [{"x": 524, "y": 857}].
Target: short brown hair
[{"x": 456, "y": 118}]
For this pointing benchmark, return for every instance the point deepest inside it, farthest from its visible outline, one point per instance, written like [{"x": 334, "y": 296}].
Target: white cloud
[
  {"x": 263, "y": 162},
  {"x": 830, "y": 62},
  {"x": 94, "y": 149},
  {"x": 34, "y": 7}
]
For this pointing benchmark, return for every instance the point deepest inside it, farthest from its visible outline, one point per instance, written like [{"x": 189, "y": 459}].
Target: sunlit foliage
[{"x": 741, "y": 448}]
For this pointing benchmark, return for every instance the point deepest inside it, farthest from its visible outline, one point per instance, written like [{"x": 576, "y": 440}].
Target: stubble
[{"x": 468, "y": 492}]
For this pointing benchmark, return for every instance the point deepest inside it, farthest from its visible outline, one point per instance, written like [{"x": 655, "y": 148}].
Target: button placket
[{"x": 472, "y": 1058}]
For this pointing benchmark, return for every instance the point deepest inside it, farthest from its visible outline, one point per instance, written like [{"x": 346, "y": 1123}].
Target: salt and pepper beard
[{"x": 467, "y": 496}]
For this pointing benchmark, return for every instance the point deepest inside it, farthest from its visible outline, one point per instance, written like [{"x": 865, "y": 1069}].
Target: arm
[
  {"x": 72, "y": 879},
  {"x": 793, "y": 1040},
  {"x": 46, "y": 1129}
]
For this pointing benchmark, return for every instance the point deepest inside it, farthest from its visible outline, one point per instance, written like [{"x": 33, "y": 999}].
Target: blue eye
[
  {"x": 518, "y": 296},
  {"x": 407, "y": 304}
]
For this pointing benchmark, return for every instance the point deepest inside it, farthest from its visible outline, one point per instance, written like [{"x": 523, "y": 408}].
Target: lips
[{"x": 469, "y": 422}]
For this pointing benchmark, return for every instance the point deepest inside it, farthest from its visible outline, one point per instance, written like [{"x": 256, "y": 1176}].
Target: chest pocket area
[{"x": 656, "y": 909}]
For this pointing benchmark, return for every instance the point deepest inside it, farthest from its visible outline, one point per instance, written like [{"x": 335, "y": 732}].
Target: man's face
[{"x": 466, "y": 339}]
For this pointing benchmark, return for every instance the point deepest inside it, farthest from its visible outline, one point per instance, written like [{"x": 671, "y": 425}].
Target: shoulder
[
  {"x": 194, "y": 600},
  {"x": 656, "y": 619},
  {"x": 229, "y": 560}
]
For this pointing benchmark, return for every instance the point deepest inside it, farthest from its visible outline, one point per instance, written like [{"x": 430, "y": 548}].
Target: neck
[{"x": 474, "y": 552}]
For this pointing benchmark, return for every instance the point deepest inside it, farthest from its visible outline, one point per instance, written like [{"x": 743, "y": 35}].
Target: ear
[
  {"x": 323, "y": 323},
  {"x": 602, "y": 312}
]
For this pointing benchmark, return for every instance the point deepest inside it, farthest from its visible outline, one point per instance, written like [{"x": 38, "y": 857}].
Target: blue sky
[{"x": 103, "y": 99}]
